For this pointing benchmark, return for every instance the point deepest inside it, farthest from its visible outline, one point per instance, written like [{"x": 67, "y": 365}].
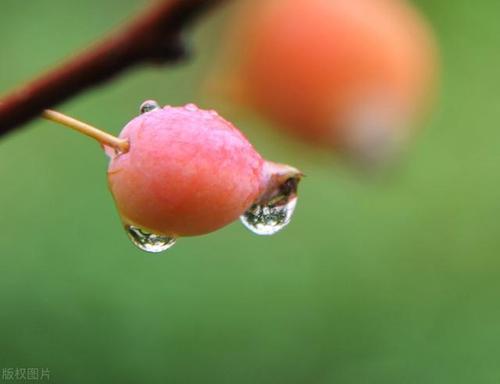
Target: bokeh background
[{"x": 393, "y": 280}]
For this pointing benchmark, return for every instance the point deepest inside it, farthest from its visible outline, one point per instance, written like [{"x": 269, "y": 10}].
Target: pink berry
[{"x": 188, "y": 172}]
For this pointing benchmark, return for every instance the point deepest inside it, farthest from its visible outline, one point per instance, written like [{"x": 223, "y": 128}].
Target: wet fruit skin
[
  {"x": 188, "y": 172},
  {"x": 312, "y": 65}
]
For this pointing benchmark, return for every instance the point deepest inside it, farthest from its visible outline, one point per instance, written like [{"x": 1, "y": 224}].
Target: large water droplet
[
  {"x": 147, "y": 241},
  {"x": 148, "y": 106},
  {"x": 268, "y": 219},
  {"x": 273, "y": 214}
]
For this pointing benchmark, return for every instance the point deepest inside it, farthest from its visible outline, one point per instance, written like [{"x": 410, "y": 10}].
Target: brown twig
[{"x": 153, "y": 37}]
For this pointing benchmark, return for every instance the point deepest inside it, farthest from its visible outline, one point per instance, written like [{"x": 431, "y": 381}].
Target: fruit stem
[{"x": 120, "y": 145}]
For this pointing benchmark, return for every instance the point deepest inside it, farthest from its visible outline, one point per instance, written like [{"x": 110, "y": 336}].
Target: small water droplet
[
  {"x": 191, "y": 107},
  {"x": 213, "y": 112},
  {"x": 148, "y": 106},
  {"x": 272, "y": 215},
  {"x": 147, "y": 241}
]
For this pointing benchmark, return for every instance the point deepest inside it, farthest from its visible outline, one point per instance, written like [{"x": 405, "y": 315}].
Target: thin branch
[
  {"x": 153, "y": 37},
  {"x": 119, "y": 145}
]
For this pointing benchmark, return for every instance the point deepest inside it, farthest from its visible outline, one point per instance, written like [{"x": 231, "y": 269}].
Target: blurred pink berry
[{"x": 354, "y": 76}]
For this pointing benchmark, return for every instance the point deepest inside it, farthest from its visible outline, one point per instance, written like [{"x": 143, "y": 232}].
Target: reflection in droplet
[
  {"x": 266, "y": 219},
  {"x": 147, "y": 241},
  {"x": 148, "y": 106},
  {"x": 273, "y": 214}
]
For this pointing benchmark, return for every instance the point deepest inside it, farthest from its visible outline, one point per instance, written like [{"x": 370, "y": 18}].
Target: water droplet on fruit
[
  {"x": 213, "y": 112},
  {"x": 274, "y": 213},
  {"x": 191, "y": 107},
  {"x": 148, "y": 106},
  {"x": 147, "y": 241}
]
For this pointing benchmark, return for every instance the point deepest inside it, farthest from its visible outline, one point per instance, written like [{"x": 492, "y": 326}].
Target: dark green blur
[{"x": 392, "y": 280}]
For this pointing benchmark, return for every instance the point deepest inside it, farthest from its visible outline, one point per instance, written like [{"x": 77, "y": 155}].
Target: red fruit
[
  {"x": 188, "y": 172},
  {"x": 345, "y": 74}
]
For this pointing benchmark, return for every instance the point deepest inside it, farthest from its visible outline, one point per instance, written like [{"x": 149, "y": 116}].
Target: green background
[{"x": 381, "y": 280}]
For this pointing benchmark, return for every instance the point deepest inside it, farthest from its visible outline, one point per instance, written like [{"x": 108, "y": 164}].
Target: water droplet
[
  {"x": 148, "y": 106},
  {"x": 147, "y": 241},
  {"x": 274, "y": 213},
  {"x": 213, "y": 112},
  {"x": 191, "y": 107},
  {"x": 267, "y": 219}
]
